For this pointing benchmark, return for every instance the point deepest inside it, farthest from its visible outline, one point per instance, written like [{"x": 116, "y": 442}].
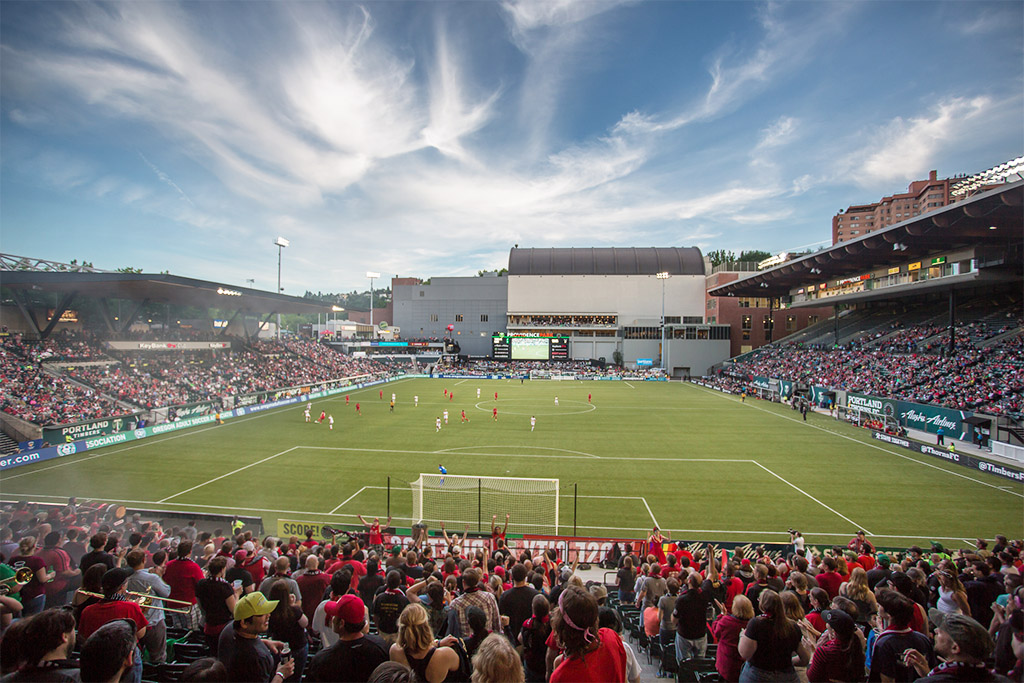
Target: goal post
[{"x": 460, "y": 499}]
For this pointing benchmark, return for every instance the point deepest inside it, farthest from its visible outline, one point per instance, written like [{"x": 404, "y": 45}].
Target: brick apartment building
[{"x": 921, "y": 197}]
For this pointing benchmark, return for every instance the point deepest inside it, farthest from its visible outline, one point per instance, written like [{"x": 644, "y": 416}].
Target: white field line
[
  {"x": 458, "y": 383},
  {"x": 649, "y": 511},
  {"x": 152, "y": 441},
  {"x": 12, "y": 497},
  {"x": 875, "y": 446},
  {"x": 794, "y": 486},
  {"x": 628, "y": 384},
  {"x": 522, "y": 455},
  {"x": 539, "y": 448},
  {"x": 342, "y": 504},
  {"x": 227, "y": 474}
]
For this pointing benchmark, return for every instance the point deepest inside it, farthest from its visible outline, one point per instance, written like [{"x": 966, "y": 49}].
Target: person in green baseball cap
[{"x": 246, "y": 656}]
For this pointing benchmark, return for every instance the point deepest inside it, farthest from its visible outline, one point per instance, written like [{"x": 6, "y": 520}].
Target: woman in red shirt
[{"x": 590, "y": 653}]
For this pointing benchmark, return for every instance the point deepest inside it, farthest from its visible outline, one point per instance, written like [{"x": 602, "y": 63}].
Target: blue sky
[{"x": 425, "y": 139}]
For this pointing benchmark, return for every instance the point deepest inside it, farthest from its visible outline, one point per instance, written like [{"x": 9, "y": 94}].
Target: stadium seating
[{"x": 25, "y": 519}]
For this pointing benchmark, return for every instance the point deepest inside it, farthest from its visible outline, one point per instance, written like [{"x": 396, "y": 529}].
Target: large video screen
[{"x": 529, "y": 348}]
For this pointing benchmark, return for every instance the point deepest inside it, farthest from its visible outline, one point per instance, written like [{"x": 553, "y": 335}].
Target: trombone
[
  {"x": 23, "y": 575},
  {"x": 145, "y": 601}
]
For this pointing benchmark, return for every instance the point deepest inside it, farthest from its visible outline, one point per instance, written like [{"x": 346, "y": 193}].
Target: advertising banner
[
  {"x": 72, "y": 447},
  {"x": 195, "y": 409},
  {"x": 970, "y": 461},
  {"x": 927, "y": 418},
  {"x": 81, "y": 430}
]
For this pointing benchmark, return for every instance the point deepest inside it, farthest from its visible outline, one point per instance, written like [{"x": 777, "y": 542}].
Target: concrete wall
[
  {"x": 447, "y": 298},
  {"x": 636, "y": 299}
]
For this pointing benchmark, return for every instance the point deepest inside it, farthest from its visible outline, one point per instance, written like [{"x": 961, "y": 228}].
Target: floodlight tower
[
  {"x": 373, "y": 276},
  {"x": 663, "y": 275},
  {"x": 280, "y": 243}
]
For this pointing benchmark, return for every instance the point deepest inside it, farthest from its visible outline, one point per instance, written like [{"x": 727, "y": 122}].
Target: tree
[
  {"x": 720, "y": 256},
  {"x": 754, "y": 255},
  {"x": 129, "y": 269}
]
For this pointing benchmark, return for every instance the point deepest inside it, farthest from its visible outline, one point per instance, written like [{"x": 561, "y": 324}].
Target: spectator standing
[
  {"x": 727, "y": 629},
  {"x": 690, "y": 616},
  {"x": 838, "y": 655},
  {"x": 237, "y": 572},
  {"x": 355, "y": 653},
  {"x": 771, "y": 644},
  {"x": 33, "y": 593},
  {"x": 46, "y": 646},
  {"x": 458, "y": 622},
  {"x": 110, "y": 654},
  {"x": 321, "y": 623},
  {"x": 97, "y": 554},
  {"x": 217, "y": 598},
  {"x": 288, "y": 624},
  {"x": 432, "y": 660},
  {"x": 895, "y": 612},
  {"x": 182, "y": 575},
  {"x": 282, "y": 571},
  {"x": 141, "y": 581},
  {"x": 248, "y": 657},
  {"x": 312, "y": 585},
  {"x": 517, "y": 602},
  {"x": 387, "y": 606},
  {"x": 964, "y": 645},
  {"x": 589, "y": 653},
  {"x": 533, "y": 636},
  {"x": 59, "y": 562},
  {"x": 625, "y": 578},
  {"x": 666, "y": 608},
  {"x": 116, "y": 606},
  {"x": 496, "y": 661}
]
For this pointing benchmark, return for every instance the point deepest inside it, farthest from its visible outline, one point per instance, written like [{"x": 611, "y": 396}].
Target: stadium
[
  {"x": 620, "y": 451},
  {"x": 288, "y": 436}
]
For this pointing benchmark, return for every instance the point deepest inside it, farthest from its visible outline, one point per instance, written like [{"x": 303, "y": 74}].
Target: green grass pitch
[{"x": 701, "y": 464}]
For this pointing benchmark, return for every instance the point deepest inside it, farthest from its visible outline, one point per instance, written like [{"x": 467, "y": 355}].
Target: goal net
[
  {"x": 458, "y": 500},
  {"x": 865, "y": 418}
]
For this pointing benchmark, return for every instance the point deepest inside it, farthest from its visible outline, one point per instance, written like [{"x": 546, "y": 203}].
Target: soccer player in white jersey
[
  {"x": 330, "y": 422},
  {"x": 533, "y": 422},
  {"x": 307, "y": 412},
  {"x": 438, "y": 425},
  {"x": 415, "y": 401},
  {"x": 556, "y": 400},
  {"x": 392, "y": 398},
  {"x": 446, "y": 417},
  {"x": 478, "y": 392}
]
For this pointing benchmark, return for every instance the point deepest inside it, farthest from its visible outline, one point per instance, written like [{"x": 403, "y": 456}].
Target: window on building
[
  {"x": 483, "y": 317},
  {"x": 674, "y": 320},
  {"x": 767, "y": 335},
  {"x": 421, "y": 292},
  {"x": 811, "y": 319},
  {"x": 690, "y": 320},
  {"x": 767, "y": 322},
  {"x": 746, "y": 322},
  {"x": 458, "y": 317},
  {"x": 790, "y": 323},
  {"x": 746, "y": 335},
  {"x": 433, "y": 317}
]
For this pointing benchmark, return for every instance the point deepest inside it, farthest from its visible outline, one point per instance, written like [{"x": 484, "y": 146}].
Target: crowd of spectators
[
  {"x": 359, "y": 609},
  {"x": 988, "y": 379},
  {"x": 32, "y": 393},
  {"x": 46, "y": 393},
  {"x": 578, "y": 368}
]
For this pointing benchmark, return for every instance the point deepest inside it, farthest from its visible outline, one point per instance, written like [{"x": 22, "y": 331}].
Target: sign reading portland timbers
[
  {"x": 883, "y": 407},
  {"x": 85, "y": 430}
]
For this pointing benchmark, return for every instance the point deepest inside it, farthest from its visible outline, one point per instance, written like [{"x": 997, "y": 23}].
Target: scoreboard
[{"x": 510, "y": 347}]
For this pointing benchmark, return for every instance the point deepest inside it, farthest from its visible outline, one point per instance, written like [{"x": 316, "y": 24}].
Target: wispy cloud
[
  {"x": 166, "y": 179},
  {"x": 907, "y": 147}
]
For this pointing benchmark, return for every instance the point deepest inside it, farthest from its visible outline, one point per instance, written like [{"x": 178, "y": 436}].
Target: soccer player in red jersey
[
  {"x": 495, "y": 414},
  {"x": 358, "y": 412}
]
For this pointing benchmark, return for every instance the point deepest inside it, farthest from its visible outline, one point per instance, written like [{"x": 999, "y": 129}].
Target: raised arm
[
  {"x": 505, "y": 530},
  {"x": 363, "y": 521}
]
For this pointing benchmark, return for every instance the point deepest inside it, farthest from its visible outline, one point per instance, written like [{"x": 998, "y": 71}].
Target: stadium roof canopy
[
  {"x": 606, "y": 261},
  {"x": 143, "y": 288},
  {"x": 992, "y": 220}
]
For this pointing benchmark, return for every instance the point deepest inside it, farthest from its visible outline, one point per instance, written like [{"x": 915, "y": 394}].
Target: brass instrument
[
  {"x": 23, "y": 575},
  {"x": 145, "y": 601}
]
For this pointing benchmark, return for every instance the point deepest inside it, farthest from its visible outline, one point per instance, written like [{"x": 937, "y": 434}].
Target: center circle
[{"x": 486, "y": 407}]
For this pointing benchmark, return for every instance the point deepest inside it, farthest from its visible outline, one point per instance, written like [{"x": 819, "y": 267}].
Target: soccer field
[{"x": 700, "y": 464}]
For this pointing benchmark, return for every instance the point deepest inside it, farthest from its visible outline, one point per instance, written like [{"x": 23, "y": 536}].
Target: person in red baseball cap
[{"x": 357, "y": 653}]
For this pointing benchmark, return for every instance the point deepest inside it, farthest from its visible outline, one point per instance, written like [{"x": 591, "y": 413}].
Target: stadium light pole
[
  {"x": 335, "y": 309},
  {"x": 373, "y": 276},
  {"x": 281, "y": 243},
  {"x": 663, "y": 275}
]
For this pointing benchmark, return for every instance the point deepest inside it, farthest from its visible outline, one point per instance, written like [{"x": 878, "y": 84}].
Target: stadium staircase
[{"x": 7, "y": 445}]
